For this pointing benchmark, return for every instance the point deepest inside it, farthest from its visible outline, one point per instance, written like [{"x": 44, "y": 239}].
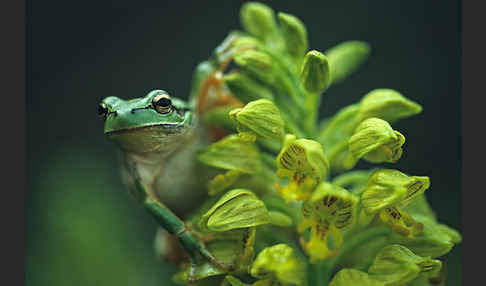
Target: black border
[{"x": 13, "y": 87}]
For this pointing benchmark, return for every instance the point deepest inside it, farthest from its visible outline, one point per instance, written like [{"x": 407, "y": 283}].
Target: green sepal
[
  {"x": 259, "y": 21},
  {"x": 232, "y": 153},
  {"x": 387, "y": 104},
  {"x": 279, "y": 262},
  {"x": 396, "y": 265},
  {"x": 246, "y": 88},
  {"x": 260, "y": 116},
  {"x": 315, "y": 73},
  {"x": 238, "y": 208},
  {"x": 294, "y": 34},
  {"x": 354, "y": 181},
  {"x": 435, "y": 240},
  {"x": 345, "y": 58},
  {"x": 349, "y": 276}
]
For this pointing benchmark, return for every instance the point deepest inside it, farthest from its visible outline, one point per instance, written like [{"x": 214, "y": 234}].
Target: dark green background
[{"x": 82, "y": 228}]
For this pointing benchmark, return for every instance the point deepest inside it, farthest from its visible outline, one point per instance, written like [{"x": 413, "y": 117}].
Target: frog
[{"x": 158, "y": 136}]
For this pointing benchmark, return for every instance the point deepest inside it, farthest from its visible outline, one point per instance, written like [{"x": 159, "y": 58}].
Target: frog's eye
[
  {"x": 162, "y": 103},
  {"x": 102, "y": 110}
]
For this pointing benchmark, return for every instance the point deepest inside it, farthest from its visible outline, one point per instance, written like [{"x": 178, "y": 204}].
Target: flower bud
[
  {"x": 257, "y": 64},
  {"x": 345, "y": 58},
  {"x": 375, "y": 141},
  {"x": 261, "y": 117},
  {"x": 396, "y": 265},
  {"x": 294, "y": 34},
  {"x": 245, "y": 88},
  {"x": 302, "y": 160},
  {"x": 258, "y": 20},
  {"x": 388, "y": 105},
  {"x": 232, "y": 153},
  {"x": 315, "y": 74},
  {"x": 281, "y": 263},
  {"x": 238, "y": 208},
  {"x": 349, "y": 276}
]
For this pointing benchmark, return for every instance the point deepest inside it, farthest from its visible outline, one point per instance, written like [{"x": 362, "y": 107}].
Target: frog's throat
[{"x": 157, "y": 139}]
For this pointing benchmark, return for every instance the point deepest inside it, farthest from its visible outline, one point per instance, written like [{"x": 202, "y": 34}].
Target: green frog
[{"x": 158, "y": 136}]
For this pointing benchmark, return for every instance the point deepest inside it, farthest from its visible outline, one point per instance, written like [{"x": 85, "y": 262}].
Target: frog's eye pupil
[{"x": 162, "y": 103}]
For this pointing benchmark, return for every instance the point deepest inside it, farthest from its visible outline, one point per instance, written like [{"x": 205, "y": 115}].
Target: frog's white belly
[{"x": 178, "y": 180}]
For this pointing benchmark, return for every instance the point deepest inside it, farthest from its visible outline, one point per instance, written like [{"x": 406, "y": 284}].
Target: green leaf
[{"x": 346, "y": 57}]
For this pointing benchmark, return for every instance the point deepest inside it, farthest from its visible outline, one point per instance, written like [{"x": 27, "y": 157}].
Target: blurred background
[{"x": 83, "y": 228}]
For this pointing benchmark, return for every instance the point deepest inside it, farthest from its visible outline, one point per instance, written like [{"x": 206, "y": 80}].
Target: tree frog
[{"x": 158, "y": 136}]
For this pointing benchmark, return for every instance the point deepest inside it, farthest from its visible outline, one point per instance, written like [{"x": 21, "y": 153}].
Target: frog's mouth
[{"x": 167, "y": 128}]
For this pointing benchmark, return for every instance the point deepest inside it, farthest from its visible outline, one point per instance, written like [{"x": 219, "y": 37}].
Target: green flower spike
[
  {"x": 349, "y": 276},
  {"x": 385, "y": 192},
  {"x": 376, "y": 142},
  {"x": 396, "y": 265},
  {"x": 345, "y": 58},
  {"x": 386, "y": 104},
  {"x": 330, "y": 210},
  {"x": 259, "y": 118},
  {"x": 238, "y": 208},
  {"x": 302, "y": 160},
  {"x": 279, "y": 263}
]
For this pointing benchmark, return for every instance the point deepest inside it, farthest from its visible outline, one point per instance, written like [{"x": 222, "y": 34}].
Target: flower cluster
[{"x": 286, "y": 206}]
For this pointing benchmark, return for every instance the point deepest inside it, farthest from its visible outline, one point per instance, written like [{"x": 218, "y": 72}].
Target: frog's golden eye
[
  {"x": 102, "y": 110},
  {"x": 162, "y": 103}
]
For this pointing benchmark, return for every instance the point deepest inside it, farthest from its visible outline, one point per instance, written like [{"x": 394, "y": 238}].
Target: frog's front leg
[{"x": 173, "y": 224}]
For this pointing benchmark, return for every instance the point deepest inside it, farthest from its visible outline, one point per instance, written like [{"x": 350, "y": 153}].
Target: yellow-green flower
[
  {"x": 304, "y": 162},
  {"x": 330, "y": 210},
  {"x": 386, "y": 191},
  {"x": 375, "y": 141}
]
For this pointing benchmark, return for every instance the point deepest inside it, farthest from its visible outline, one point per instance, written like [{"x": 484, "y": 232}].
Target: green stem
[{"x": 312, "y": 102}]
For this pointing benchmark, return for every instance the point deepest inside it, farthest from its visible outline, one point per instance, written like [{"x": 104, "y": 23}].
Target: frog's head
[{"x": 153, "y": 123}]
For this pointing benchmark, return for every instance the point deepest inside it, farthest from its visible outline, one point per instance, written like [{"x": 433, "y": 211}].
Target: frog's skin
[
  {"x": 158, "y": 136},
  {"x": 161, "y": 145}
]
